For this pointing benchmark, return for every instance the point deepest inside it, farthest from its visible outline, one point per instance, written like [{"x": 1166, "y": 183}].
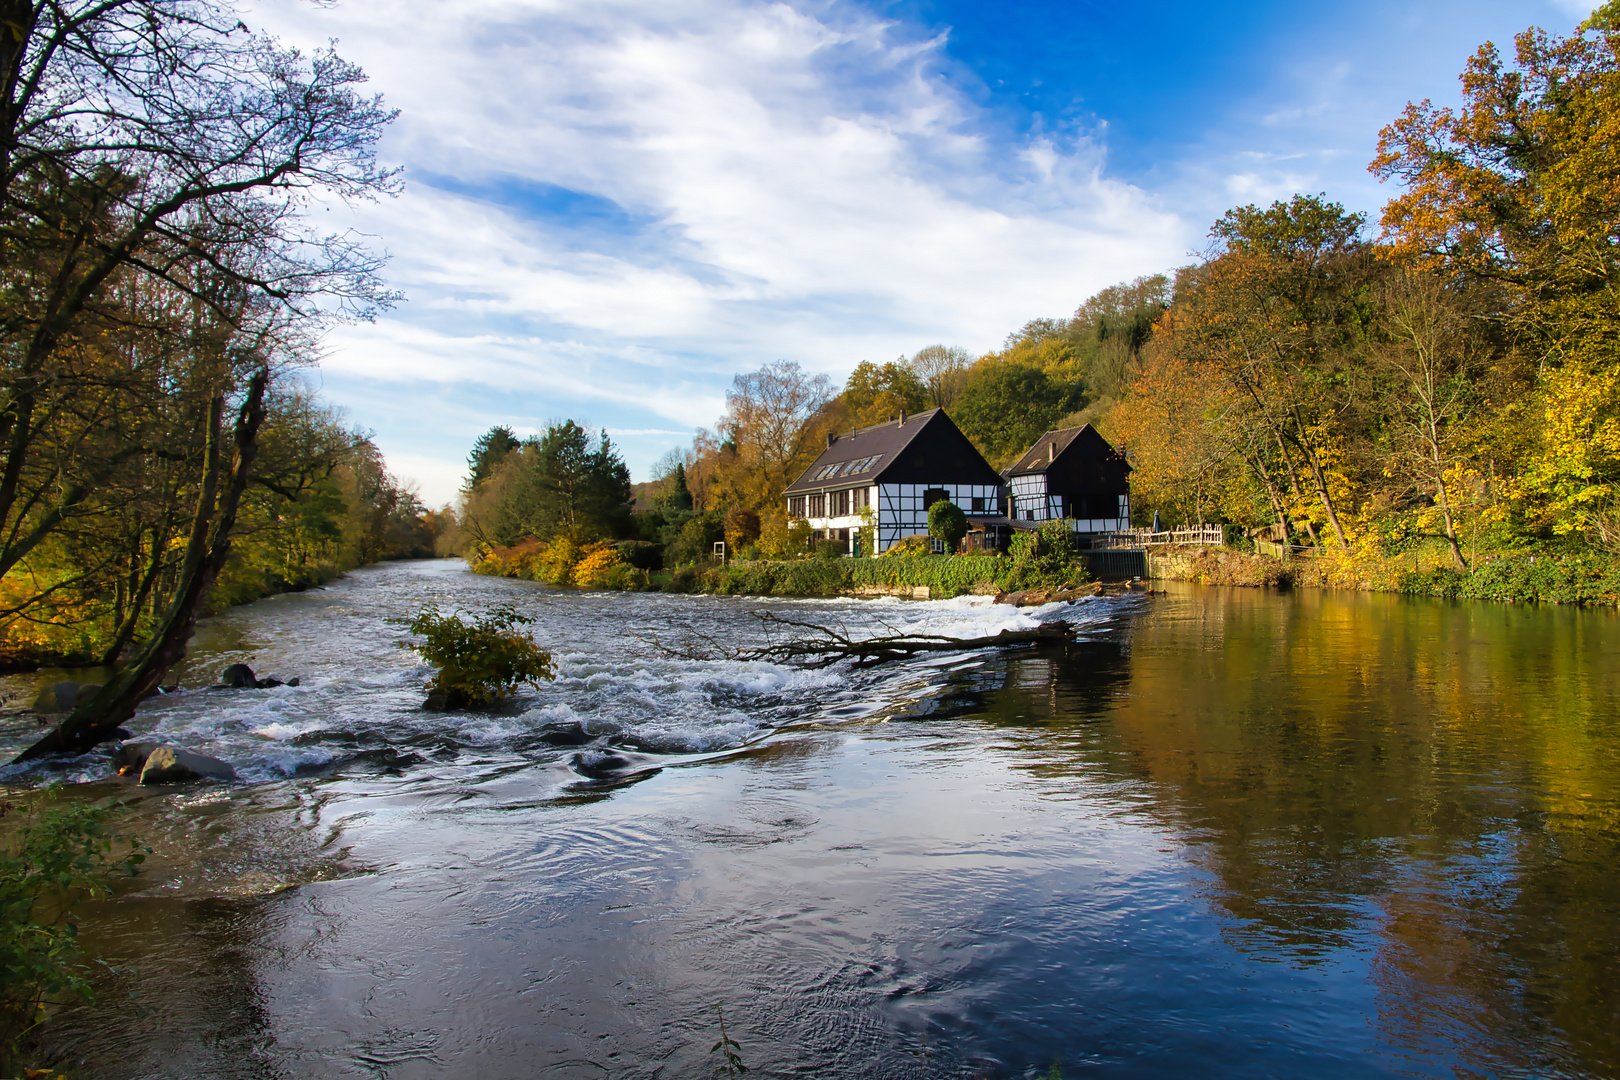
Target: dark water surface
[{"x": 1231, "y": 833}]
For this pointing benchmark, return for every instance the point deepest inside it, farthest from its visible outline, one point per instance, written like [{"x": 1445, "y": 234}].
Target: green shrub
[
  {"x": 50, "y": 861},
  {"x": 947, "y": 524},
  {"x": 830, "y": 549},
  {"x": 1552, "y": 579},
  {"x": 480, "y": 662}
]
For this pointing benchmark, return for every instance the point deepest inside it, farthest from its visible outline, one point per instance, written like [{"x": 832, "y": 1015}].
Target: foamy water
[{"x": 641, "y": 673}]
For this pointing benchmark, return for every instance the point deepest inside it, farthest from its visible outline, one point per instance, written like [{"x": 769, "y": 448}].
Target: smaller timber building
[
  {"x": 897, "y": 470},
  {"x": 1075, "y": 474}
]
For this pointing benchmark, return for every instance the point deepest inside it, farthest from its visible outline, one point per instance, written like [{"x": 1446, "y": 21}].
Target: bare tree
[
  {"x": 943, "y": 369},
  {"x": 1432, "y": 363}
]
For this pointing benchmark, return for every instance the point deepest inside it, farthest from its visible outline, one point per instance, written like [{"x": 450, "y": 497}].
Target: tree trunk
[{"x": 206, "y": 551}]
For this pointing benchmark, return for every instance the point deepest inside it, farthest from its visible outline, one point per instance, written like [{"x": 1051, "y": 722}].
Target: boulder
[
  {"x": 172, "y": 765},
  {"x": 238, "y": 677},
  {"x": 132, "y": 755},
  {"x": 85, "y": 692},
  {"x": 57, "y": 697},
  {"x": 566, "y": 735}
]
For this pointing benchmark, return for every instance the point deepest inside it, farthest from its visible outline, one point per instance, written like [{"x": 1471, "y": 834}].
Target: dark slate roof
[
  {"x": 1052, "y": 445},
  {"x": 867, "y": 453}
]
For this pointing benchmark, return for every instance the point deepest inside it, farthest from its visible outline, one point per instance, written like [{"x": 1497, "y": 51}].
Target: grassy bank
[
  {"x": 1517, "y": 577},
  {"x": 943, "y": 575}
]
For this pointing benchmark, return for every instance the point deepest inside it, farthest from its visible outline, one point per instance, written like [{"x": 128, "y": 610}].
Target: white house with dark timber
[
  {"x": 1075, "y": 474},
  {"x": 899, "y": 469}
]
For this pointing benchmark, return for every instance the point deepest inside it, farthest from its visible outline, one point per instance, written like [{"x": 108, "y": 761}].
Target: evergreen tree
[{"x": 489, "y": 452}]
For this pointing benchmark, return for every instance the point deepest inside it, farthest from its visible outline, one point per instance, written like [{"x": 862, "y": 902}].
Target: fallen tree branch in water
[{"x": 829, "y": 646}]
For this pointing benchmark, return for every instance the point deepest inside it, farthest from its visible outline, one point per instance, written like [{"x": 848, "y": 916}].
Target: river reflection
[{"x": 1232, "y": 833}]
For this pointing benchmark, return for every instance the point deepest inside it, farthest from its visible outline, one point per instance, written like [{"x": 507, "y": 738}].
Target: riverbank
[
  {"x": 1589, "y": 579},
  {"x": 937, "y": 577},
  {"x": 31, "y": 646}
]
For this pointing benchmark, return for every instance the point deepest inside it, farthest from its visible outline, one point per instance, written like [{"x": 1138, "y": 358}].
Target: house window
[
  {"x": 978, "y": 504},
  {"x": 818, "y": 506},
  {"x": 934, "y": 495},
  {"x": 796, "y": 506},
  {"x": 840, "y": 504},
  {"x": 862, "y": 498}
]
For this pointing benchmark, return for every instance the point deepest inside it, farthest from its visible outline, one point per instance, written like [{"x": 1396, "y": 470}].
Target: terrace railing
[{"x": 1206, "y": 535}]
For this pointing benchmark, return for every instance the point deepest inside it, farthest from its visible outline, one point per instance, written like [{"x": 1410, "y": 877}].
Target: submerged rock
[
  {"x": 57, "y": 697},
  {"x": 238, "y": 677},
  {"x": 241, "y": 677},
  {"x": 64, "y": 696},
  {"x": 172, "y": 765},
  {"x": 566, "y": 735},
  {"x": 600, "y": 764}
]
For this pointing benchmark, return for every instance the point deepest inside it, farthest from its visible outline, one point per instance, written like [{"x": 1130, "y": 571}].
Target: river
[{"x": 1228, "y": 832}]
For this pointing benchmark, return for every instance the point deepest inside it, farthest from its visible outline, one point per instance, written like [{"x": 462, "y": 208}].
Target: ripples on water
[{"x": 1230, "y": 833}]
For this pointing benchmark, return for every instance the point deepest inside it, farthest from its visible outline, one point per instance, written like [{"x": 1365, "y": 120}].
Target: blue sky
[{"x": 613, "y": 206}]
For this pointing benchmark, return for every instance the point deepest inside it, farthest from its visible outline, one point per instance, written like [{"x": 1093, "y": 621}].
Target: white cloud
[{"x": 796, "y": 185}]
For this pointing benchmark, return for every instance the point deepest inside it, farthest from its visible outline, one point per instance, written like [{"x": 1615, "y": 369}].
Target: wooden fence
[
  {"x": 1284, "y": 551},
  {"x": 1205, "y": 535}
]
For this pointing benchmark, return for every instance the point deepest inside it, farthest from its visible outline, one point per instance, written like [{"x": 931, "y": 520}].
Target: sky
[{"x": 612, "y": 207}]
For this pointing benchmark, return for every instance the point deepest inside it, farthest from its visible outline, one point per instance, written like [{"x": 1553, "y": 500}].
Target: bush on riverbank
[
  {"x": 1549, "y": 579},
  {"x": 50, "y": 861},
  {"x": 943, "y": 575},
  {"x": 1587, "y": 578}
]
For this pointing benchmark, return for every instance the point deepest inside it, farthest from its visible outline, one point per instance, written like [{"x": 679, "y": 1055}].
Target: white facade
[
  {"x": 1032, "y": 502},
  {"x": 900, "y": 510}
]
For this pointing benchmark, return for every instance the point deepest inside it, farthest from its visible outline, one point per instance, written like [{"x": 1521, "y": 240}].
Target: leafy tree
[
  {"x": 767, "y": 427},
  {"x": 1517, "y": 187},
  {"x": 1005, "y": 407},
  {"x": 742, "y": 528},
  {"x": 569, "y": 486},
  {"x": 873, "y": 394},
  {"x": 947, "y": 524},
  {"x": 488, "y": 453}
]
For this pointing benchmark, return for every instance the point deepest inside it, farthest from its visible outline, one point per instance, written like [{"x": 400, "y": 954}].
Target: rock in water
[
  {"x": 238, "y": 677},
  {"x": 57, "y": 697},
  {"x": 131, "y": 756},
  {"x": 172, "y": 765},
  {"x": 85, "y": 692}
]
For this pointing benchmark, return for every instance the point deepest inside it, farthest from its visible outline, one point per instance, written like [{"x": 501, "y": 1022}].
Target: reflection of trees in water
[
  {"x": 185, "y": 999},
  {"x": 1437, "y": 783}
]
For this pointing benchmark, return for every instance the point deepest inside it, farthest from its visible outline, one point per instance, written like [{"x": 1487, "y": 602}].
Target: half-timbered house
[
  {"x": 898, "y": 469},
  {"x": 1075, "y": 474}
]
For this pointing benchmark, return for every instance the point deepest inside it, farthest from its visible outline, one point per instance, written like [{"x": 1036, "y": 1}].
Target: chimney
[
  {"x": 1051, "y": 452},
  {"x": 902, "y": 418},
  {"x": 831, "y": 438}
]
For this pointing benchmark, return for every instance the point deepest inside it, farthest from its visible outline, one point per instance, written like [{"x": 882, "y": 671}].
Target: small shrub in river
[
  {"x": 479, "y": 662},
  {"x": 50, "y": 860}
]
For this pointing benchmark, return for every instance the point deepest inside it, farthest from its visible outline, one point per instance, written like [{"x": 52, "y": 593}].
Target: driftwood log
[{"x": 827, "y": 646}]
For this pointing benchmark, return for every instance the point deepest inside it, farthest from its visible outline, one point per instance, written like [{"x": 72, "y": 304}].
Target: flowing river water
[{"x": 1228, "y": 832}]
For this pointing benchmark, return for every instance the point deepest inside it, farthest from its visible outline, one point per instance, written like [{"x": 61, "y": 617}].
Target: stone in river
[
  {"x": 171, "y": 765},
  {"x": 238, "y": 677},
  {"x": 566, "y": 735},
  {"x": 57, "y": 697}
]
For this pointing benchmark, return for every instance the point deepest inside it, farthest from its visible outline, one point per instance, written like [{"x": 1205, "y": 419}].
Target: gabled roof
[
  {"x": 1054, "y": 444},
  {"x": 864, "y": 455}
]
